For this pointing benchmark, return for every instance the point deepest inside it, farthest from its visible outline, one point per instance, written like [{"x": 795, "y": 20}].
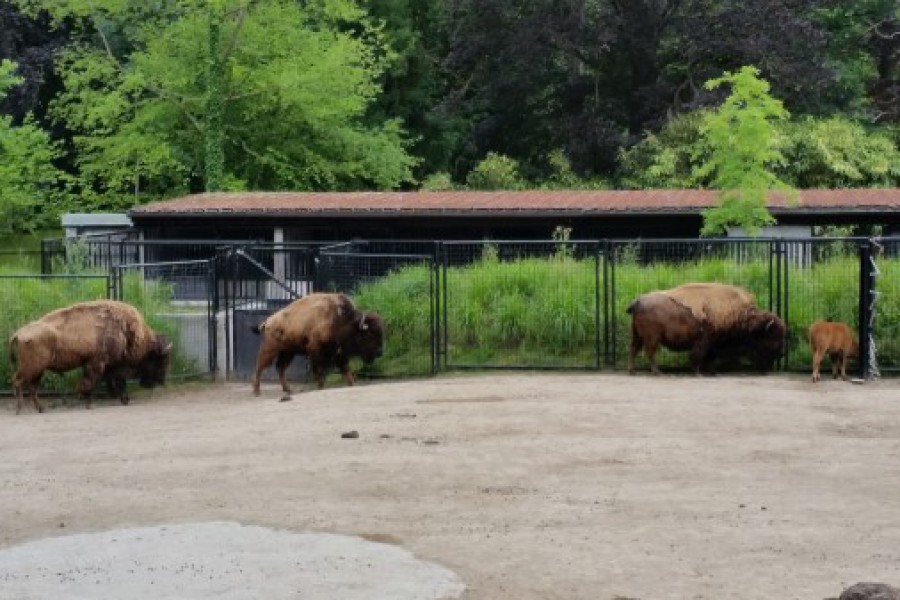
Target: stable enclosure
[{"x": 456, "y": 305}]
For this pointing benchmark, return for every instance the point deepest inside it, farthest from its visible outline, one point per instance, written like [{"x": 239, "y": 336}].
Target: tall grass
[{"x": 542, "y": 312}]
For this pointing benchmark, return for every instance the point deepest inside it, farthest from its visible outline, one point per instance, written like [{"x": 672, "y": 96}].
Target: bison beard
[
  {"x": 326, "y": 328},
  {"x": 107, "y": 339},
  {"x": 709, "y": 320}
]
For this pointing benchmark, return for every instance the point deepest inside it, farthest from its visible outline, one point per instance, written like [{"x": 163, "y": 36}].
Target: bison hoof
[{"x": 125, "y": 401}]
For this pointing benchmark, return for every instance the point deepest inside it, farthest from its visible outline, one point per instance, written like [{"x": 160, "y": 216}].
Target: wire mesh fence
[
  {"x": 521, "y": 305},
  {"x": 176, "y": 300},
  {"x": 387, "y": 275},
  {"x": 524, "y": 304},
  {"x": 886, "y": 331}
]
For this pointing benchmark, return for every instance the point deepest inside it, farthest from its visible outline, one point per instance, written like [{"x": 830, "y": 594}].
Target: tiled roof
[{"x": 532, "y": 202}]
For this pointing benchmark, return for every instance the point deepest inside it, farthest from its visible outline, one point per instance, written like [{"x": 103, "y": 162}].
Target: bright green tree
[
  {"x": 271, "y": 94},
  {"x": 495, "y": 172},
  {"x": 743, "y": 150},
  {"x": 30, "y": 186}
]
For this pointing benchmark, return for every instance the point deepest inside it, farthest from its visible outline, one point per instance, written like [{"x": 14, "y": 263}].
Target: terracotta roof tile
[{"x": 502, "y": 202}]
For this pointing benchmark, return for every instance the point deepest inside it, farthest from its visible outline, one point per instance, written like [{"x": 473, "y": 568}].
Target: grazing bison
[
  {"x": 706, "y": 319},
  {"x": 106, "y": 338},
  {"x": 327, "y": 328},
  {"x": 836, "y": 340}
]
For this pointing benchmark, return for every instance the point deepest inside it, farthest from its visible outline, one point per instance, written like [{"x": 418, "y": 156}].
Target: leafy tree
[
  {"x": 159, "y": 94},
  {"x": 743, "y": 147},
  {"x": 29, "y": 183},
  {"x": 495, "y": 172},
  {"x": 838, "y": 152}
]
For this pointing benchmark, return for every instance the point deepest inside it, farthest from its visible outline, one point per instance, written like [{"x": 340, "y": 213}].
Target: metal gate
[
  {"x": 178, "y": 300},
  {"x": 253, "y": 282}
]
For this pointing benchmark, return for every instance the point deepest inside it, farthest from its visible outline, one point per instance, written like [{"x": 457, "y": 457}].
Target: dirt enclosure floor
[{"x": 528, "y": 486}]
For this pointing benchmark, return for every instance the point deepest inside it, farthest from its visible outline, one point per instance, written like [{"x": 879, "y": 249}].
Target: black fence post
[
  {"x": 606, "y": 338},
  {"x": 435, "y": 308},
  {"x": 597, "y": 273},
  {"x": 866, "y": 289},
  {"x": 614, "y": 334}
]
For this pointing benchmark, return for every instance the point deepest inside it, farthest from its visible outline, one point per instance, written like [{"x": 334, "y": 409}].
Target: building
[{"x": 475, "y": 215}]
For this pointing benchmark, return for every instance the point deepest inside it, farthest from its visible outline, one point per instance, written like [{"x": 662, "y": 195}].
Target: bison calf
[
  {"x": 105, "y": 338},
  {"x": 837, "y": 341},
  {"x": 326, "y": 328}
]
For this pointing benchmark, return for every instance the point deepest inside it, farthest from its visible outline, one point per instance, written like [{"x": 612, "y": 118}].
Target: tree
[
  {"x": 495, "y": 172},
  {"x": 158, "y": 95},
  {"x": 743, "y": 144},
  {"x": 29, "y": 183},
  {"x": 830, "y": 152}
]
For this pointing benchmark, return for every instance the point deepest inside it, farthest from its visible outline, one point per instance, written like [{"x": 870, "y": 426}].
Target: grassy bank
[{"x": 545, "y": 312}]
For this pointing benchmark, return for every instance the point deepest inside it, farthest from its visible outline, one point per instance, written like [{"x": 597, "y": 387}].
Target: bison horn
[
  {"x": 769, "y": 324},
  {"x": 362, "y": 323}
]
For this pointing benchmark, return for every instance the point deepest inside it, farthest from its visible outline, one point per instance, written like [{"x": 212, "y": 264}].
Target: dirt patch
[{"x": 572, "y": 486}]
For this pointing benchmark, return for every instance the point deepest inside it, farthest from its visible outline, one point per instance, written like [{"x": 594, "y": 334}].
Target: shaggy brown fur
[
  {"x": 106, "y": 338},
  {"x": 709, "y": 320},
  {"x": 836, "y": 340},
  {"x": 718, "y": 305},
  {"x": 326, "y": 328}
]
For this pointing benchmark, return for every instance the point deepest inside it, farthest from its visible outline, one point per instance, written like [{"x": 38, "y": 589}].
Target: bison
[
  {"x": 327, "y": 328},
  {"x": 708, "y": 320},
  {"x": 836, "y": 340},
  {"x": 108, "y": 339}
]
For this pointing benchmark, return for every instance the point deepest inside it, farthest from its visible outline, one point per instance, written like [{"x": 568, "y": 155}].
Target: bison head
[
  {"x": 767, "y": 334},
  {"x": 152, "y": 369},
  {"x": 369, "y": 338}
]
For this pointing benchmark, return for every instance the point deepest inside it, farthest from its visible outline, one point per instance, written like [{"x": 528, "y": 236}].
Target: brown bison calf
[
  {"x": 836, "y": 340},
  {"x": 327, "y": 328},
  {"x": 106, "y": 338}
]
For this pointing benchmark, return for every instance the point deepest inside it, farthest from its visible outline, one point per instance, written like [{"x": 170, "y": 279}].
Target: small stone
[
  {"x": 385, "y": 436},
  {"x": 871, "y": 591},
  {"x": 349, "y": 435},
  {"x": 61, "y": 524},
  {"x": 286, "y": 398}
]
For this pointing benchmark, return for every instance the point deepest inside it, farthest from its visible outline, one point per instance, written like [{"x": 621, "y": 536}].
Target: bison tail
[
  {"x": 257, "y": 329},
  {"x": 631, "y": 307}
]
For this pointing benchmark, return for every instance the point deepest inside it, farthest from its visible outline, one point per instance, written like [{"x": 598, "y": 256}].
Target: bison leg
[
  {"x": 266, "y": 355},
  {"x": 92, "y": 372},
  {"x": 837, "y": 365},
  {"x": 633, "y": 349},
  {"x": 281, "y": 365},
  {"x": 818, "y": 355},
  {"x": 117, "y": 387},
  {"x": 650, "y": 349},
  {"x": 344, "y": 367},
  {"x": 317, "y": 368}
]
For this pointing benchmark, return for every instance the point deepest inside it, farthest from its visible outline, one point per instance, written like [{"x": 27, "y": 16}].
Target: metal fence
[
  {"x": 558, "y": 304},
  {"x": 178, "y": 300}
]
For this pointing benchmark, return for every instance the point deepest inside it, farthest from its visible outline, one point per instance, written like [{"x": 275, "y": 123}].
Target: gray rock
[{"x": 870, "y": 591}]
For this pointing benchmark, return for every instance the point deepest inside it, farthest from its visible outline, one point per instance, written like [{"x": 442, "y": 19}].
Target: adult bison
[
  {"x": 327, "y": 328},
  {"x": 708, "y": 320},
  {"x": 108, "y": 339}
]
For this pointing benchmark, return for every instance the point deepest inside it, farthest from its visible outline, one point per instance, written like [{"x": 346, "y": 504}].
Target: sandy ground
[{"x": 526, "y": 486}]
